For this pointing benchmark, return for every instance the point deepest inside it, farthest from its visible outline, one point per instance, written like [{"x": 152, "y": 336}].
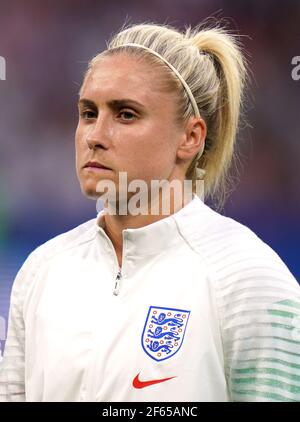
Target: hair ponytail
[{"x": 220, "y": 103}]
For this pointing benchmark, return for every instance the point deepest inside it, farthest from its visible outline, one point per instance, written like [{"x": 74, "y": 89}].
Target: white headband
[{"x": 200, "y": 172}]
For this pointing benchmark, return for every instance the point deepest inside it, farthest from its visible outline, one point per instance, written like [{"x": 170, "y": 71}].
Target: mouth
[{"x": 95, "y": 166}]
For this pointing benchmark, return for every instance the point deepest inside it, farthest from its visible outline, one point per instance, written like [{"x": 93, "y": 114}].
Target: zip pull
[{"x": 117, "y": 283}]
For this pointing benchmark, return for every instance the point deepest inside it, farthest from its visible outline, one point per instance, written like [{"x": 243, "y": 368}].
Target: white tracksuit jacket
[{"x": 202, "y": 310}]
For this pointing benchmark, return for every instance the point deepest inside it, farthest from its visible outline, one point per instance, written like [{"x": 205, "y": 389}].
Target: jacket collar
[{"x": 160, "y": 235}]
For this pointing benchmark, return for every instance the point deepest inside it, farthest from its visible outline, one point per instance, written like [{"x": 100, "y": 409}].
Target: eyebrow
[{"x": 114, "y": 104}]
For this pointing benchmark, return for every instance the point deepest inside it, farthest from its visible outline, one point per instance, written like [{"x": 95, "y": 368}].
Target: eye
[
  {"x": 87, "y": 114},
  {"x": 128, "y": 115}
]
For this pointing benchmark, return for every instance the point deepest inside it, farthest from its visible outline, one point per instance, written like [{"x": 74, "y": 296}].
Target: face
[{"x": 126, "y": 124}]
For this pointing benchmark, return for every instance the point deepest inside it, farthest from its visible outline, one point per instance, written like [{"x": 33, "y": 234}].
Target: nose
[{"x": 98, "y": 134}]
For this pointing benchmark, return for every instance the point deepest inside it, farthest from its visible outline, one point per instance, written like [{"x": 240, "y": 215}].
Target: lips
[{"x": 96, "y": 164}]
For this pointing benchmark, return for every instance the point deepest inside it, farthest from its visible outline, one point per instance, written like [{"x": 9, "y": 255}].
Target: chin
[
  {"x": 89, "y": 192},
  {"x": 89, "y": 195}
]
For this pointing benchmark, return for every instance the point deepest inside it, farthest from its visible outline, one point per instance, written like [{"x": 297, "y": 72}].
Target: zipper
[{"x": 117, "y": 283}]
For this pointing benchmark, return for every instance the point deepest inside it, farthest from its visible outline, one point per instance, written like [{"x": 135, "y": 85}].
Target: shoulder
[
  {"x": 231, "y": 251},
  {"x": 71, "y": 239},
  {"x": 83, "y": 233}
]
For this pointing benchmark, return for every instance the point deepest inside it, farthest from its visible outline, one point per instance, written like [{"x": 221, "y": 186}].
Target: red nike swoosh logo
[{"x": 142, "y": 384}]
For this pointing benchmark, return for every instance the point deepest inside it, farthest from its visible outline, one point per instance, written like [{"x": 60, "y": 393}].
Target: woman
[{"x": 187, "y": 305}]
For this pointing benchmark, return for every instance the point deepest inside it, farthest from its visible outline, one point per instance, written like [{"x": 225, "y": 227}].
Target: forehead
[{"x": 123, "y": 76}]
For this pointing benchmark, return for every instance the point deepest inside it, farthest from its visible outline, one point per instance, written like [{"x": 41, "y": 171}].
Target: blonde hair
[{"x": 210, "y": 60}]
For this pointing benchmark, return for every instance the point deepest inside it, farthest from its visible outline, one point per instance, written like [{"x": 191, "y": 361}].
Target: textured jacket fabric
[{"x": 201, "y": 310}]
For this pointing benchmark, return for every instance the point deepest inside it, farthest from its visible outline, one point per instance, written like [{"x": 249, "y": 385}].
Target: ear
[{"x": 193, "y": 139}]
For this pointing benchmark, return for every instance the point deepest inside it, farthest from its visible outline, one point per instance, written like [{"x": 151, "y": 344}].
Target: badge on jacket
[{"x": 164, "y": 331}]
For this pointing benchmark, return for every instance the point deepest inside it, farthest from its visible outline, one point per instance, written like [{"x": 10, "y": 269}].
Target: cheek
[
  {"x": 77, "y": 135},
  {"x": 79, "y": 150},
  {"x": 79, "y": 144},
  {"x": 160, "y": 146},
  {"x": 151, "y": 154}
]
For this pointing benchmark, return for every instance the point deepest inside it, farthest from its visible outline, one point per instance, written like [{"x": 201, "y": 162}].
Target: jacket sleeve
[
  {"x": 12, "y": 366},
  {"x": 260, "y": 313}
]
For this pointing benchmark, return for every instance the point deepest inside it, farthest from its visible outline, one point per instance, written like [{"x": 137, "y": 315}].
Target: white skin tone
[{"x": 144, "y": 141}]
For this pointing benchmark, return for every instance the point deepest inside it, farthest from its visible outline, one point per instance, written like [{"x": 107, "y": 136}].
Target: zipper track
[{"x": 117, "y": 283}]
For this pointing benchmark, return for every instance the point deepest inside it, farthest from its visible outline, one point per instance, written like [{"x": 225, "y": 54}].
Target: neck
[{"x": 115, "y": 224}]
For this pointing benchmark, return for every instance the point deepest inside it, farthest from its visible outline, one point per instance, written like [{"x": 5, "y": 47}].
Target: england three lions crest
[{"x": 164, "y": 331}]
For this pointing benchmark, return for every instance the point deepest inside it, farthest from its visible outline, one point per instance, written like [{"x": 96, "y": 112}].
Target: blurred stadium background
[{"x": 47, "y": 46}]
